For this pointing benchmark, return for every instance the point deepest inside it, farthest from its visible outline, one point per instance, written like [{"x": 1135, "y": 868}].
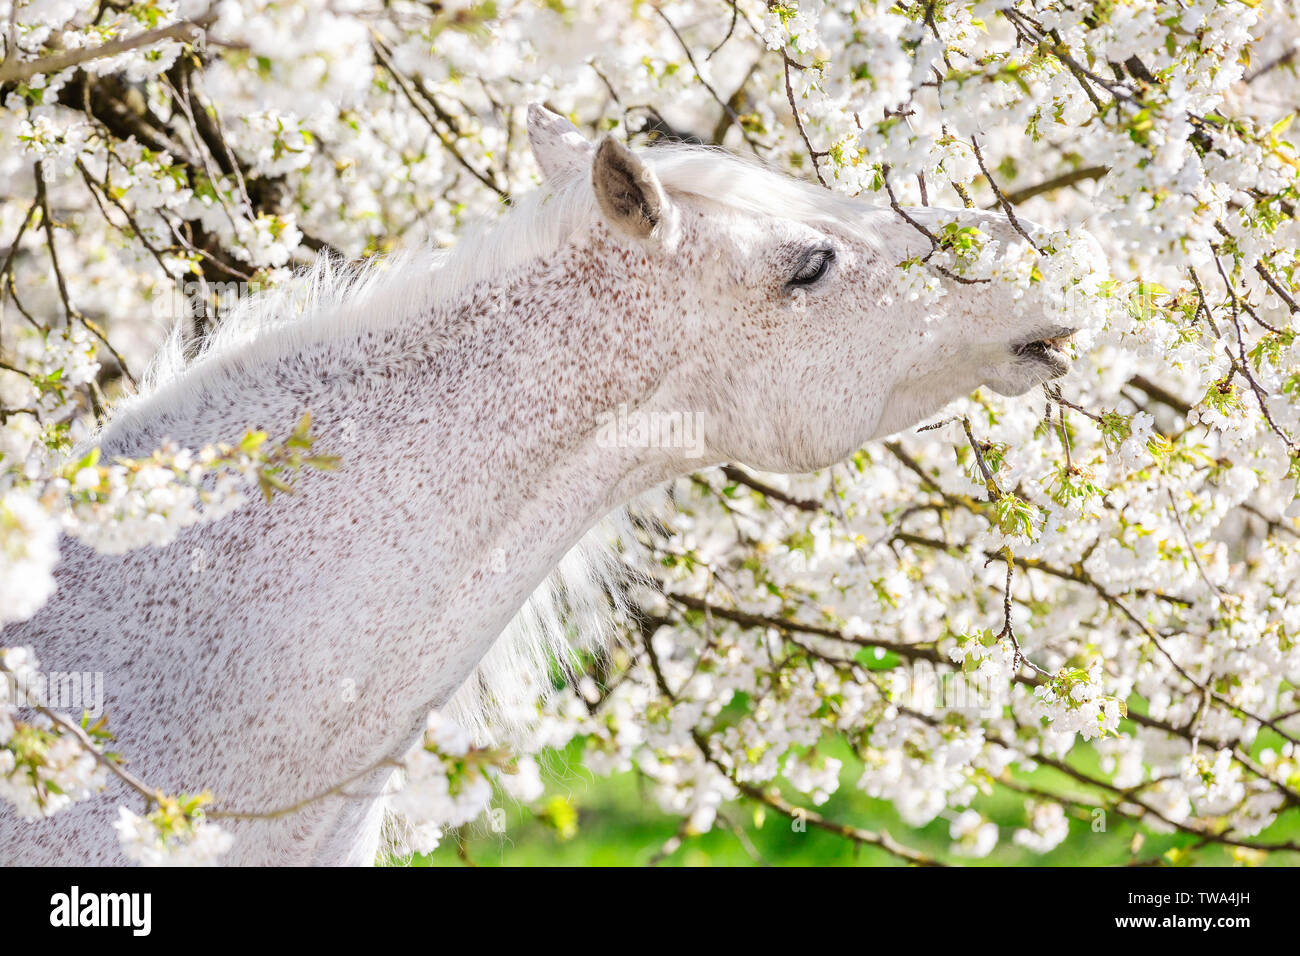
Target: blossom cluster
[
  {"x": 448, "y": 781},
  {"x": 42, "y": 768},
  {"x": 175, "y": 833}
]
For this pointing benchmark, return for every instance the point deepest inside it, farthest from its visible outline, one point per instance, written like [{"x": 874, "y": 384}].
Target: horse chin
[
  {"x": 1017, "y": 378},
  {"x": 1011, "y": 386}
]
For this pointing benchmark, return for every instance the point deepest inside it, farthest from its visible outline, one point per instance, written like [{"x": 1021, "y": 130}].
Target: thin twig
[{"x": 16, "y": 70}]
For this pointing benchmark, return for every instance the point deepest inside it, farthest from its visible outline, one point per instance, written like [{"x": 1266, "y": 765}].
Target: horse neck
[{"x": 470, "y": 463}]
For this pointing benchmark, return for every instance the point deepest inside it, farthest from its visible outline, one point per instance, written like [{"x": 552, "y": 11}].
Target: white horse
[{"x": 463, "y": 392}]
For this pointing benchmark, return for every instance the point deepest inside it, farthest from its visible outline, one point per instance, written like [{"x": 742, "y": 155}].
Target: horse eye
[{"x": 814, "y": 267}]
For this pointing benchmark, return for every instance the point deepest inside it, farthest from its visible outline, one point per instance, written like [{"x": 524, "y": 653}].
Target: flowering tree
[{"x": 1097, "y": 580}]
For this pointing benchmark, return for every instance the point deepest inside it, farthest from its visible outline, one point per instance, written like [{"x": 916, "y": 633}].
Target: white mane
[
  {"x": 334, "y": 299},
  {"x": 577, "y": 605}
]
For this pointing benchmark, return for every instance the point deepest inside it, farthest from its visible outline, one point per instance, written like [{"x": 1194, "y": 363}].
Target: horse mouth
[{"x": 1048, "y": 351}]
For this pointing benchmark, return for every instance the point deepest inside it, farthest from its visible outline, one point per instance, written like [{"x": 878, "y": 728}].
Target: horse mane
[
  {"x": 579, "y": 604},
  {"x": 334, "y": 298}
]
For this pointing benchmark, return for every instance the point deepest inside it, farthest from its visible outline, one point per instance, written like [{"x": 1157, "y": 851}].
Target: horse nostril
[
  {"x": 1054, "y": 341},
  {"x": 1060, "y": 341}
]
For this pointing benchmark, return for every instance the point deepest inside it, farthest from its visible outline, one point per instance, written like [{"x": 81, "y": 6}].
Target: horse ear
[
  {"x": 628, "y": 191},
  {"x": 560, "y": 150}
]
